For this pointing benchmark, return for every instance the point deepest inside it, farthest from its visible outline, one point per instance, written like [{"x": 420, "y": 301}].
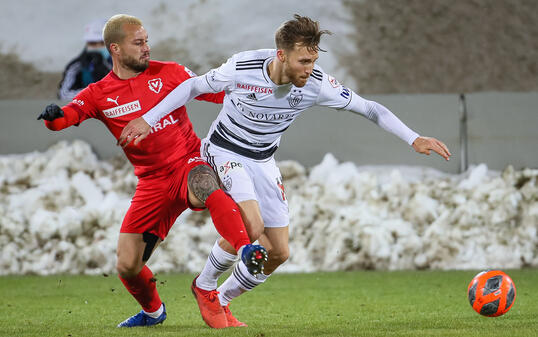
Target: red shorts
[{"x": 160, "y": 198}]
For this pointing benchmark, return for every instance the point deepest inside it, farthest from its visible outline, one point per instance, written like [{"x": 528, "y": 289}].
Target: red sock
[
  {"x": 143, "y": 289},
  {"x": 227, "y": 219}
]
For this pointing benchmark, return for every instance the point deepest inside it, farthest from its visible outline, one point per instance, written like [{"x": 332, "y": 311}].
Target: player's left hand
[
  {"x": 136, "y": 130},
  {"x": 427, "y": 144}
]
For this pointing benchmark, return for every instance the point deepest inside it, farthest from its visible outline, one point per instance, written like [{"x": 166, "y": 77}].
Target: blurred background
[{"x": 463, "y": 71}]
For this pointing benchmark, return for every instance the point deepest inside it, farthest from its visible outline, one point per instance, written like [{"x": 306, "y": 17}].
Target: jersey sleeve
[
  {"x": 217, "y": 98},
  {"x": 223, "y": 77},
  {"x": 332, "y": 94},
  {"x": 214, "y": 81},
  {"x": 78, "y": 110}
]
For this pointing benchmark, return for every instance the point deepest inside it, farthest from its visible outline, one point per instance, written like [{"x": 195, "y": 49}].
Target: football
[{"x": 491, "y": 293}]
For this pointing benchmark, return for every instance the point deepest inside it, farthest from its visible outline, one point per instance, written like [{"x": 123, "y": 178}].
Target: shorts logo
[
  {"x": 229, "y": 165},
  {"x": 295, "y": 98},
  {"x": 124, "y": 109},
  {"x": 227, "y": 183},
  {"x": 281, "y": 186},
  {"x": 193, "y": 159},
  {"x": 155, "y": 85}
]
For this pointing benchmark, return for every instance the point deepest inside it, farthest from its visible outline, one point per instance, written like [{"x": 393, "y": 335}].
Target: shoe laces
[{"x": 212, "y": 295}]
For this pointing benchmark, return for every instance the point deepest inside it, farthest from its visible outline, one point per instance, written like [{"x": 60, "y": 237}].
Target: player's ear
[
  {"x": 114, "y": 48},
  {"x": 281, "y": 54}
]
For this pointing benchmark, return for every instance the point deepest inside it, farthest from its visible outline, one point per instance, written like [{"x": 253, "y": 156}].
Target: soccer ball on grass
[{"x": 491, "y": 293}]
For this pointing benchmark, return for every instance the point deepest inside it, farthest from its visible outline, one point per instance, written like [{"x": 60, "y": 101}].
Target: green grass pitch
[{"x": 365, "y": 303}]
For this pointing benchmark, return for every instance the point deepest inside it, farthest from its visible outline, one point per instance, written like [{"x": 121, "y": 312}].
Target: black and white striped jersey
[{"x": 256, "y": 111}]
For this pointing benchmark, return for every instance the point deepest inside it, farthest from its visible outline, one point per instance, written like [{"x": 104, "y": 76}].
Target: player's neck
[
  {"x": 123, "y": 73},
  {"x": 275, "y": 69}
]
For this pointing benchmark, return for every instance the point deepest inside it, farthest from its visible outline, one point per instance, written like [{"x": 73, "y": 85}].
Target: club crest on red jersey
[{"x": 155, "y": 85}]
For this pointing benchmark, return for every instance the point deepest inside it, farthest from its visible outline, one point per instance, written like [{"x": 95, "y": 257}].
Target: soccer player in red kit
[{"x": 171, "y": 175}]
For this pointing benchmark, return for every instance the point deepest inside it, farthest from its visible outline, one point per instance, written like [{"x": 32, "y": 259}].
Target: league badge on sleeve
[
  {"x": 190, "y": 72},
  {"x": 333, "y": 81}
]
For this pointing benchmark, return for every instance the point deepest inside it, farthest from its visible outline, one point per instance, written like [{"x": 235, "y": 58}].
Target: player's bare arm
[{"x": 202, "y": 181}]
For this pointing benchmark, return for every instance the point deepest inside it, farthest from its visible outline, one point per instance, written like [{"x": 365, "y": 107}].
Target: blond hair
[
  {"x": 113, "y": 31},
  {"x": 301, "y": 30}
]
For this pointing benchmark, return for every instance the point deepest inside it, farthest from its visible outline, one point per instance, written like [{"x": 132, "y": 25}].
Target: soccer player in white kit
[{"x": 265, "y": 91}]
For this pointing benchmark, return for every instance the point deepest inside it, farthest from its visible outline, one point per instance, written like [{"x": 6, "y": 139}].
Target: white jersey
[{"x": 256, "y": 111}]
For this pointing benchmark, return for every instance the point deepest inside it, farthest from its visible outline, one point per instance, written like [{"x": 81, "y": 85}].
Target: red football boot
[
  {"x": 210, "y": 308},
  {"x": 232, "y": 321}
]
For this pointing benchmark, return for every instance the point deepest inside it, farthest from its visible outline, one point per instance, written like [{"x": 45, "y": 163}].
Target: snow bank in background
[{"x": 60, "y": 212}]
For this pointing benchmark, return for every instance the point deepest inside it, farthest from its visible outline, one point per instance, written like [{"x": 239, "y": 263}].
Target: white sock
[
  {"x": 217, "y": 263},
  {"x": 239, "y": 282},
  {"x": 155, "y": 314}
]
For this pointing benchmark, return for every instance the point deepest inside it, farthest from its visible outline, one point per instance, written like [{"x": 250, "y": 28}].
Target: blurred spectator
[{"x": 90, "y": 66}]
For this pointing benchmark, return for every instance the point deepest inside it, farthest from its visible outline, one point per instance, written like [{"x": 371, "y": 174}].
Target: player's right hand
[
  {"x": 136, "y": 130},
  {"x": 51, "y": 112}
]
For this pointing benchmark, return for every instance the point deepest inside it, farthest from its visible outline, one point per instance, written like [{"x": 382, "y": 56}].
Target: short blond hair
[
  {"x": 113, "y": 31},
  {"x": 301, "y": 30}
]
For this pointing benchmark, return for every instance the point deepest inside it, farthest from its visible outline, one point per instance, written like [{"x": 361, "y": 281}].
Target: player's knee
[
  {"x": 202, "y": 181},
  {"x": 254, "y": 233},
  {"x": 278, "y": 257},
  {"x": 127, "y": 269}
]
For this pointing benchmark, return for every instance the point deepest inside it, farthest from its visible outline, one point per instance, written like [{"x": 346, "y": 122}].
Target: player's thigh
[
  {"x": 275, "y": 240},
  {"x": 270, "y": 193}
]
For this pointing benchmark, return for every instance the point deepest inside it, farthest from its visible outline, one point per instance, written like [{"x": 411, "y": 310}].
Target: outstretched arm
[
  {"x": 57, "y": 119},
  {"x": 383, "y": 117},
  {"x": 139, "y": 128}
]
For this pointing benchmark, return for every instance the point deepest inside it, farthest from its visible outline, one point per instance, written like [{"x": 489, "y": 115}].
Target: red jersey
[{"x": 116, "y": 102}]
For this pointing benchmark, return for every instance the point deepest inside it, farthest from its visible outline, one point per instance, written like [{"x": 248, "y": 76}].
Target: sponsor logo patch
[
  {"x": 254, "y": 88},
  {"x": 122, "y": 110},
  {"x": 229, "y": 165},
  {"x": 155, "y": 85}
]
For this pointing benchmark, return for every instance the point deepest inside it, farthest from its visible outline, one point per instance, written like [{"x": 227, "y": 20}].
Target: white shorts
[{"x": 249, "y": 179}]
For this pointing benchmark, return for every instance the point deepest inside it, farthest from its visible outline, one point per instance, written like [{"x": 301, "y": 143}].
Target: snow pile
[
  {"x": 346, "y": 218},
  {"x": 60, "y": 212}
]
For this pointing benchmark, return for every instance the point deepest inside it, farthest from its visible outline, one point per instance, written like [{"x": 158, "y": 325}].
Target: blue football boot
[
  {"x": 142, "y": 319},
  {"x": 254, "y": 256}
]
